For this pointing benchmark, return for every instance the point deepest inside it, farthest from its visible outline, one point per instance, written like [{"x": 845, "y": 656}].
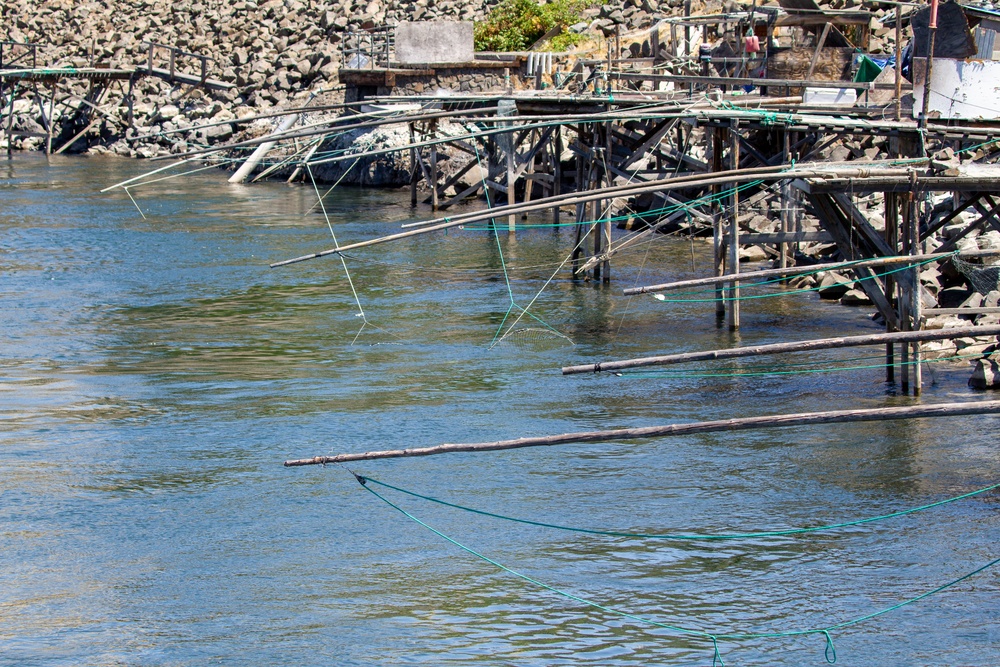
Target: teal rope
[
  {"x": 767, "y": 118},
  {"x": 985, "y": 143},
  {"x": 665, "y": 210},
  {"x": 503, "y": 264},
  {"x": 726, "y": 536},
  {"x": 830, "y": 652},
  {"x": 576, "y": 598}
]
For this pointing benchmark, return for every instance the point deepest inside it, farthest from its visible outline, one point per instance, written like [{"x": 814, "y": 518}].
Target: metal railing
[{"x": 369, "y": 48}]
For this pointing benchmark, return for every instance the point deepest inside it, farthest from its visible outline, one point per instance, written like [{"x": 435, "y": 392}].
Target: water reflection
[{"x": 156, "y": 373}]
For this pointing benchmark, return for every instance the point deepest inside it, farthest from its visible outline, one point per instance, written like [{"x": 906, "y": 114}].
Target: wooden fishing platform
[{"x": 681, "y": 139}]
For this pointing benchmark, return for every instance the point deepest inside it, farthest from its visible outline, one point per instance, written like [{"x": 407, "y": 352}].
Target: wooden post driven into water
[
  {"x": 734, "y": 228},
  {"x": 724, "y": 425},
  {"x": 718, "y": 242}
]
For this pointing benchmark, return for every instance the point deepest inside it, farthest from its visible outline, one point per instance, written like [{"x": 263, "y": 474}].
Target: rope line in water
[
  {"x": 347, "y": 273},
  {"x": 692, "y": 536},
  {"x": 829, "y": 651},
  {"x": 503, "y": 264}
]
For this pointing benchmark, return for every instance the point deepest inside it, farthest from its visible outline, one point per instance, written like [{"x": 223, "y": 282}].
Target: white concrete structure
[{"x": 434, "y": 42}]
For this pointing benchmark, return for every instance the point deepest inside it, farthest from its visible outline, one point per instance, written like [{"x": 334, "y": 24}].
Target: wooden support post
[
  {"x": 414, "y": 172},
  {"x": 687, "y": 29},
  {"x": 929, "y": 66},
  {"x": 654, "y": 48},
  {"x": 49, "y": 126},
  {"x": 529, "y": 171},
  {"x": 819, "y": 49},
  {"x": 581, "y": 208},
  {"x": 718, "y": 242},
  {"x": 903, "y": 303},
  {"x": 899, "y": 61},
  {"x": 785, "y": 192},
  {"x": 434, "y": 177},
  {"x": 131, "y": 101},
  {"x": 891, "y": 208},
  {"x": 511, "y": 179},
  {"x": 915, "y": 305},
  {"x": 10, "y": 122},
  {"x": 596, "y": 231},
  {"x": 734, "y": 228},
  {"x": 609, "y": 179},
  {"x": 557, "y": 149},
  {"x": 593, "y": 183}
]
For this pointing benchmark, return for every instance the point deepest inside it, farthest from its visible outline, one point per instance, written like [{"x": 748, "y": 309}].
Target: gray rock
[
  {"x": 833, "y": 285},
  {"x": 855, "y": 297},
  {"x": 986, "y": 374},
  {"x": 218, "y": 133},
  {"x": 168, "y": 112}
]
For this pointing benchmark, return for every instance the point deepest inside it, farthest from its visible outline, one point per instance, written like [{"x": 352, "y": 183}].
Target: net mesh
[
  {"x": 534, "y": 338},
  {"x": 984, "y": 279}
]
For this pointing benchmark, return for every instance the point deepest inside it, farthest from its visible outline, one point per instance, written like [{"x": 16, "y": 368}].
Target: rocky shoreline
[{"x": 277, "y": 54}]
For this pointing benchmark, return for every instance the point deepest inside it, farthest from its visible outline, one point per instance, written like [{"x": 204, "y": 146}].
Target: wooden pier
[{"x": 669, "y": 139}]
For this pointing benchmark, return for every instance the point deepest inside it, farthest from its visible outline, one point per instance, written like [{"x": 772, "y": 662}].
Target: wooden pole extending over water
[
  {"x": 739, "y": 424},
  {"x": 797, "y": 270},
  {"x": 697, "y": 180},
  {"x": 778, "y": 348}
]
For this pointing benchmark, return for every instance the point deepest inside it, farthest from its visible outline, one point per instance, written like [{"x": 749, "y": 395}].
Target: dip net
[{"x": 984, "y": 279}]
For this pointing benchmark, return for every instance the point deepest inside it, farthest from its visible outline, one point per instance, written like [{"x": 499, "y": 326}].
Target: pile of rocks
[{"x": 276, "y": 53}]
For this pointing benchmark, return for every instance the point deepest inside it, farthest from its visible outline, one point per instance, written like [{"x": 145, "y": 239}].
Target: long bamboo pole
[
  {"x": 779, "y": 348},
  {"x": 801, "y": 121},
  {"x": 738, "y": 424},
  {"x": 795, "y": 270},
  {"x": 330, "y": 126},
  {"x": 700, "y": 180}
]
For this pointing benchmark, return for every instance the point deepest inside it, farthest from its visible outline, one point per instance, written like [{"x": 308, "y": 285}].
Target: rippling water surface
[{"x": 155, "y": 374}]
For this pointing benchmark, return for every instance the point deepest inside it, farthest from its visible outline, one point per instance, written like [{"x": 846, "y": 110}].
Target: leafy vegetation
[{"x": 514, "y": 25}]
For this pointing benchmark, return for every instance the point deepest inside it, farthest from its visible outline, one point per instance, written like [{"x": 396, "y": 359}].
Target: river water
[{"x": 156, "y": 373}]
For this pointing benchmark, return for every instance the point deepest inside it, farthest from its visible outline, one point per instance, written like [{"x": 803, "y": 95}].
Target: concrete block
[{"x": 434, "y": 42}]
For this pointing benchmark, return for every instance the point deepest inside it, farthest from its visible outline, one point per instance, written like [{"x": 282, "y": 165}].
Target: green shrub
[{"x": 514, "y": 25}]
